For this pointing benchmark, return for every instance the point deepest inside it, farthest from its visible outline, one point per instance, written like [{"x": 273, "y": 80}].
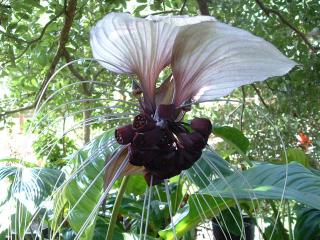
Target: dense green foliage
[
  {"x": 83, "y": 100},
  {"x": 38, "y": 37}
]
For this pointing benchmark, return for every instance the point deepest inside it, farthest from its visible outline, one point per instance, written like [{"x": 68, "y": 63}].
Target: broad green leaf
[
  {"x": 137, "y": 185},
  {"x": 270, "y": 181},
  {"x": 189, "y": 217},
  {"x": 82, "y": 193},
  {"x": 295, "y": 155},
  {"x": 31, "y": 185},
  {"x": 308, "y": 224},
  {"x": 28, "y": 188},
  {"x": 233, "y": 136},
  {"x": 210, "y": 164}
]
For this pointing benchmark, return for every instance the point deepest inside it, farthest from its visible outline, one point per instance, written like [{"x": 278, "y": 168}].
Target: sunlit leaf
[{"x": 269, "y": 181}]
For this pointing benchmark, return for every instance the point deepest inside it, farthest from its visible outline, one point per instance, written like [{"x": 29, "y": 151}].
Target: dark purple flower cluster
[{"x": 164, "y": 147}]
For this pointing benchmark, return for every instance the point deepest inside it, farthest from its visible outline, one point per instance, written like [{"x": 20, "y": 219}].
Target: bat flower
[{"x": 208, "y": 59}]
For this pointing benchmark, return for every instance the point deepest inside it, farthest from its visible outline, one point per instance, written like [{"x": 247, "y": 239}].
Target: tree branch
[
  {"x": 72, "y": 69},
  {"x": 10, "y": 112},
  {"x": 69, "y": 17},
  {"x": 243, "y": 106},
  {"x": 260, "y": 96},
  {"x": 203, "y": 7},
  {"x": 269, "y": 11},
  {"x": 182, "y": 7},
  {"x": 162, "y": 12}
]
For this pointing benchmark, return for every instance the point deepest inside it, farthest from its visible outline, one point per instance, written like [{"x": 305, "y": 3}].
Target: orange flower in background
[{"x": 304, "y": 141}]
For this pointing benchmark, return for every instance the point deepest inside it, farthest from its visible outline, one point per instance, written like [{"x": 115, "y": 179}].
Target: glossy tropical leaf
[
  {"x": 265, "y": 181},
  {"x": 208, "y": 166},
  {"x": 81, "y": 194},
  {"x": 269, "y": 181},
  {"x": 31, "y": 185},
  {"x": 27, "y": 189},
  {"x": 189, "y": 217}
]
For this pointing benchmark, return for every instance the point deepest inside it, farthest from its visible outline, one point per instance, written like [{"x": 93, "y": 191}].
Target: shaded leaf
[
  {"x": 308, "y": 224},
  {"x": 233, "y": 136}
]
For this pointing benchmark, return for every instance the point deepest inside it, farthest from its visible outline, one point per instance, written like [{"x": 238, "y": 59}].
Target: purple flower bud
[
  {"x": 198, "y": 141},
  {"x": 147, "y": 139},
  {"x": 185, "y": 140},
  {"x": 187, "y": 158},
  {"x": 159, "y": 160},
  {"x": 192, "y": 141},
  {"x": 143, "y": 122},
  {"x": 202, "y": 125},
  {"x": 124, "y": 135}
]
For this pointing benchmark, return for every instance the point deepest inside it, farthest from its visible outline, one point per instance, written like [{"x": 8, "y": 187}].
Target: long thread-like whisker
[
  {"x": 212, "y": 212},
  {"x": 16, "y": 183},
  {"x": 102, "y": 197},
  {"x": 90, "y": 120},
  {"x": 166, "y": 185},
  {"x": 54, "y": 110},
  {"x": 51, "y": 96},
  {"x": 61, "y": 68},
  {"x": 41, "y": 223},
  {"x": 213, "y": 198},
  {"x": 45, "y": 130},
  {"x": 252, "y": 195},
  {"x": 94, "y": 154},
  {"x": 191, "y": 187},
  {"x": 266, "y": 117},
  {"x": 148, "y": 208},
  {"x": 215, "y": 100},
  {"x": 53, "y": 142},
  {"x": 236, "y": 200},
  {"x": 158, "y": 193},
  {"x": 142, "y": 216},
  {"x": 51, "y": 146},
  {"x": 84, "y": 193}
]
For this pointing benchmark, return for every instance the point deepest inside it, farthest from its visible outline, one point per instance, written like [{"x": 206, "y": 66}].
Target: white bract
[{"x": 209, "y": 59}]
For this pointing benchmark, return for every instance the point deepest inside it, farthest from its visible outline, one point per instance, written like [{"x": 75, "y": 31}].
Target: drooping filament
[{"x": 164, "y": 147}]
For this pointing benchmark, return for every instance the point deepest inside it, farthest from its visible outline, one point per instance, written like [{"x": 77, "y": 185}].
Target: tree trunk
[
  {"x": 203, "y": 7},
  {"x": 86, "y": 122}
]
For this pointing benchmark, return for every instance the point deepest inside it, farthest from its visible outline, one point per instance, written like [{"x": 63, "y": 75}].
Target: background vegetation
[{"x": 38, "y": 37}]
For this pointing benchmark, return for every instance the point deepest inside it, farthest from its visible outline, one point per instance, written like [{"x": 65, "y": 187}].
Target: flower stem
[{"x": 116, "y": 207}]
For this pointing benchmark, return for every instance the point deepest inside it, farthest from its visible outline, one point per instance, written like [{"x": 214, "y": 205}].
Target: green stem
[
  {"x": 256, "y": 224},
  {"x": 116, "y": 207},
  {"x": 290, "y": 221},
  {"x": 175, "y": 206},
  {"x": 279, "y": 226}
]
